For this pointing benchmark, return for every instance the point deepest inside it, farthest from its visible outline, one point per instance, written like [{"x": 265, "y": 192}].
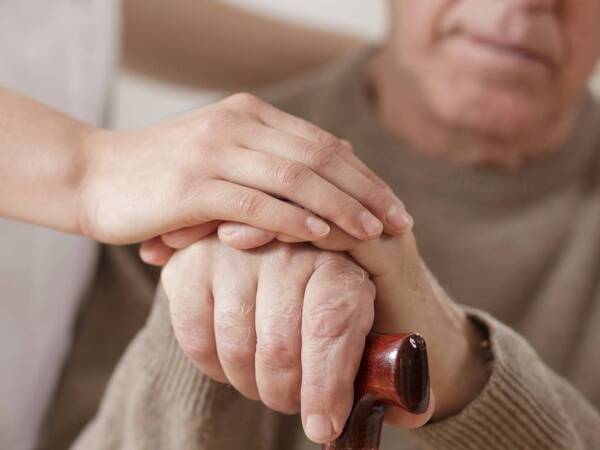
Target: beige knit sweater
[{"x": 521, "y": 251}]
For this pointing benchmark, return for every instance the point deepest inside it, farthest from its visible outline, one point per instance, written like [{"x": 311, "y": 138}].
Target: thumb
[{"x": 243, "y": 237}]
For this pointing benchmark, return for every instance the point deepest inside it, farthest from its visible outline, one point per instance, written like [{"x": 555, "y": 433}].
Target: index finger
[
  {"x": 337, "y": 315},
  {"x": 333, "y": 159}
]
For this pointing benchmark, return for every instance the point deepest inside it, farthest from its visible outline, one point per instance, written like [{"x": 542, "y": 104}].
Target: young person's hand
[
  {"x": 239, "y": 160},
  {"x": 236, "y": 160}
]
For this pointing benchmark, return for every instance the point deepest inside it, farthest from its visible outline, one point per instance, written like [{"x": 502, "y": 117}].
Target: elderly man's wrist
[{"x": 466, "y": 373}]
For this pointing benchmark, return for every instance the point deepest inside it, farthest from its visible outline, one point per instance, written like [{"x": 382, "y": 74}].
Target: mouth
[
  {"x": 526, "y": 54},
  {"x": 500, "y": 54}
]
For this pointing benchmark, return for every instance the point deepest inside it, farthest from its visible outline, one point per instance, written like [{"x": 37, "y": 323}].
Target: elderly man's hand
[
  {"x": 285, "y": 324},
  {"x": 409, "y": 298}
]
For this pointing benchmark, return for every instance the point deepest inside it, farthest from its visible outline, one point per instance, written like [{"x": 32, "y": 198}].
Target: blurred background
[{"x": 140, "y": 101}]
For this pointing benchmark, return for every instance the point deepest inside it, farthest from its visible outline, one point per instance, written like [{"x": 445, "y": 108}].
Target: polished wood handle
[{"x": 393, "y": 372}]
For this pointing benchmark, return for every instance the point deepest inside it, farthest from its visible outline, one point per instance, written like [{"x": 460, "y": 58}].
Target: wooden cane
[{"x": 393, "y": 372}]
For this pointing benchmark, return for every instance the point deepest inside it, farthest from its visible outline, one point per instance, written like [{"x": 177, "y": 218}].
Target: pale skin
[
  {"x": 471, "y": 82},
  {"x": 210, "y": 44},
  {"x": 237, "y": 159}
]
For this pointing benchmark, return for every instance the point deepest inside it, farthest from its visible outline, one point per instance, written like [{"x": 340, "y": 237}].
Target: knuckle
[
  {"x": 277, "y": 352},
  {"x": 377, "y": 195},
  {"x": 218, "y": 119},
  {"x": 234, "y": 335},
  {"x": 291, "y": 174},
  {"x": 190, "y": 331},
  {"x": 347, "y": 303},
  {"x": 234, "y": 354},
  {"x": 244, "y": 100},
  {"x": 283, "y": 254},
  {"x": 250, "y": 204},
  {"x": 345, "y": 274},
  {"x": 201, "y": 350},
  {"x": 332, "y": 317},
  {"x": 327, "y": 139},
  {"x": 323, "y": 157}
]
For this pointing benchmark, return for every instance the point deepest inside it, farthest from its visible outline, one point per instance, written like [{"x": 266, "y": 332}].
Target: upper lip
[{"x": 524, "y": 49}]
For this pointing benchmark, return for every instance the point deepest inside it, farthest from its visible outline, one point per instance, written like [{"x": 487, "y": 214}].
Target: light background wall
[{"x": 140, "y": 102}]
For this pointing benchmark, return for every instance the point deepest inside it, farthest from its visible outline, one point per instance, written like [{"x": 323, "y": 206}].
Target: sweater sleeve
[
  {"x": 157, "y": 399},
  {"x": 524, "y": 405}
]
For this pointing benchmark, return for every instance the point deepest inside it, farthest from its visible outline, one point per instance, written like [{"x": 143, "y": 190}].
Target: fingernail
[
  {"x": 229, "y": 230},
  {"x": 399, "y": 218},
  {"x": 371, "y": 224},
  {"x": 319, "y": 428},
  {"x": 317, "y": 227}
]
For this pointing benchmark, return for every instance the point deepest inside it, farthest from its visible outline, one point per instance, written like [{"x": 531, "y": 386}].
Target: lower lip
[{"x": 499, "y": 58}]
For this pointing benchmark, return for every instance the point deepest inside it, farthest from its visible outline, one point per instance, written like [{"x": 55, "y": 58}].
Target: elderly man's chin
[
  {"x": 498, "y": 113},
  {"x": 498, "y": 99}
]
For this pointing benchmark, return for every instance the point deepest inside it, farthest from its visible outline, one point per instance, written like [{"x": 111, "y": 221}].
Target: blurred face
[{"x": 497, "y": 66}]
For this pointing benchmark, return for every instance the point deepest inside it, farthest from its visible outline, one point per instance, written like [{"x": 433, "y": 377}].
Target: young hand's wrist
[{"x": 93, "y": 141}]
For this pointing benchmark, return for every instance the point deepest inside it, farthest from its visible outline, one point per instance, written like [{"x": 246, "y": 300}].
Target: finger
[
  {"x": 403, "y": 419},
  {"x": 296, "y": 182},
  {"x": 359, "y": 165},
  {"x": 193, "y": 327},
  {"x": 185, "y": 237},
  {"x": 397, "y": 221},
  {"x": 291, "y": 124},
  {"x": 154, "y": 252},
  {"x": 288, "y": 239},
  {"x": 234, "y": 328},
  {"x": 330, "y": 161},
  {"x": 324, "y": 153},
  {"x": 302, "y": 141},
  {"x": 337, "y": 315},
  {"x": 278, "y": 316},
  {"x": 231, "y": 202},
  {"x": 191, "y": 308},
  {"x": 288, "y": 123},
  {"x": 339, "y": 241},
  {"x": 244, "y": 237}
]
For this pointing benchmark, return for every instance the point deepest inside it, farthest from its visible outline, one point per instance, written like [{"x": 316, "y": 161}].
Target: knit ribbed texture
[
  {"x": 518, "y": 408},
  {"x": 172, "y": 372},
  {"x": 157, "y": 399}
]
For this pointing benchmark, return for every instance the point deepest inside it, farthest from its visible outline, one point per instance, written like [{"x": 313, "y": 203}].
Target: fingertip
[
  {"x": 371, "y": 226},
  {"x": 319, "y": 428},
  {"x": 289, "y": 239},
  {"x": 347, "y": 145},
  {"x": 318, "y": 228},
  {"x": 243, "y": 237},
  {"x": 155, "y": 253},
  {"x": 398, "y": 220},
  {"x": 184, "y": 237}
]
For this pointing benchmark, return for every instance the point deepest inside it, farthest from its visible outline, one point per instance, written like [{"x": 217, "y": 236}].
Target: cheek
[
  {"x": 414, "y": 29},
  {"x": 583, "y": 37}
]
